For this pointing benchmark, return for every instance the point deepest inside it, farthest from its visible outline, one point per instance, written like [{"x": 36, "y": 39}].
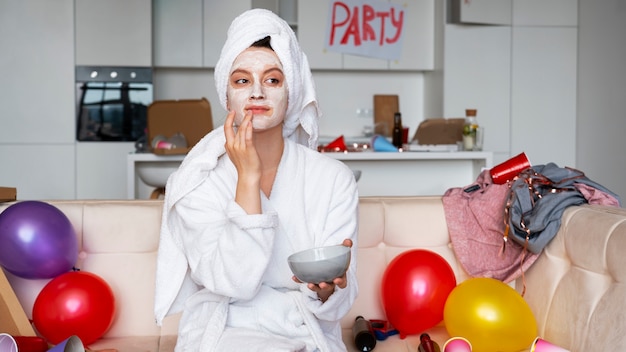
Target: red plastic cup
[
  {"x": 31, "y": 344},
  {"x": 541, "y": 345},
  {"x": 405, "y": 135},
  {"x": 506, "y": 171},
  {"x": 338, "y": 145}
]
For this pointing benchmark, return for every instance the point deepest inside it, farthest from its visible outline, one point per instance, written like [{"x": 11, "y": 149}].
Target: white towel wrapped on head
[{"x": 302, "y": 112}]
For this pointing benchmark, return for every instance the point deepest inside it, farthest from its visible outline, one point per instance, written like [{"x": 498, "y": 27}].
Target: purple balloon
[{"x": 37, "y": 240}]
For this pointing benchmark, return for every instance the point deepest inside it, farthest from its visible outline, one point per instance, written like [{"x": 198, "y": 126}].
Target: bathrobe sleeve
[
  {"x": 340, "y": 209},
  {"x": 320, "y": 200}
]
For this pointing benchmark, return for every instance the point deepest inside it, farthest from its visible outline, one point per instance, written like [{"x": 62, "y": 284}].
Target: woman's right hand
[{"x": 242, "y": 152}]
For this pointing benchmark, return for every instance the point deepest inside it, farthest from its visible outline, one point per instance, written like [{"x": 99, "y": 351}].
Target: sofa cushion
[{"x": 579, "y": 281}]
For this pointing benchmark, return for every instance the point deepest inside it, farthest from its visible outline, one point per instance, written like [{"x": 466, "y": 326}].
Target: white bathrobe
[
  {"x": 228, "y": 270},
  {"x": 239, "y": 261}
]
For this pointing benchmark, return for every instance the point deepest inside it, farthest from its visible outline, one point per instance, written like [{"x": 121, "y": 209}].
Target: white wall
[
  {"x": 341, "y": 93},
  {"x": 601, "y": 123}
]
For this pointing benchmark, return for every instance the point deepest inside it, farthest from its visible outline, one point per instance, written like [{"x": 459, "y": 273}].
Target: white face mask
[{"x": 257, "y": 84}]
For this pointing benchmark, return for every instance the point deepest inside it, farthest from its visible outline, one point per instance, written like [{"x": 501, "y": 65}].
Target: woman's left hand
[{"x": 325, "y": 289}]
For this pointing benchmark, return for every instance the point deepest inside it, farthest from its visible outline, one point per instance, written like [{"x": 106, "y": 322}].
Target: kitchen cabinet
[
  {"x": 418, "y": 44},
  {"x": 191, "y": 33},
  {"x": 514, "y": 12},
  {"x": 286, "y": 9},
  {"x": 37, "y": 69},
  {"x": 414, "y": 173},
  {"x": 37, "y": 117},
  {"x": 39, "y": 171},
  {"x": 311, "y": 35},
  {"x": 217, "y": 18},
  {"x": 101, "y": 169},
  {"x": 113, "y": 32},
  {"x": 178, "y": 33},
  {"x": 545, "y": 13},
  {"x": 543, "y": 92},
  {"x": 497, "y": 12},
  {"x": 522, "y": 80},
  {"x": 477, "y": 74}
]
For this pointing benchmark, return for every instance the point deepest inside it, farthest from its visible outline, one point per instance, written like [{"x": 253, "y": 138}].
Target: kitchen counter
[
  {"x": 414, "y": 173},
  {"x": 382, "y": 173},
  {"x": 147, "y": 171}
]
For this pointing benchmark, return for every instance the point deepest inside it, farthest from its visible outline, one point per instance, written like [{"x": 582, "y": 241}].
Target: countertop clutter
[
  {"x": 431, "y": 135},
  {"x": 428, "y": 168},
  {"x": 427, "y": 164}
]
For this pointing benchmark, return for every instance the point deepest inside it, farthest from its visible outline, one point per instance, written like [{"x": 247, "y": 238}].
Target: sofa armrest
[{"x": 576, "y": 288}]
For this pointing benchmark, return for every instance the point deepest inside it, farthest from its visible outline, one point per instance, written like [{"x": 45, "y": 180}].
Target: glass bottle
[
  {"x": 470, "y": 129},
  {"x": 427, "y": 345},
  {"x": 396, "y": 135},
  {"x": 363, "y": 334}
]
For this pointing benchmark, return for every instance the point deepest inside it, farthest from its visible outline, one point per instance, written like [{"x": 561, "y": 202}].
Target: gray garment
[{"x": 535, "y": 212}]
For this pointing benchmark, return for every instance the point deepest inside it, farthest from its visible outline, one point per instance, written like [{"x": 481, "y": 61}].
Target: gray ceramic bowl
[{"x": 321, "y": 264}]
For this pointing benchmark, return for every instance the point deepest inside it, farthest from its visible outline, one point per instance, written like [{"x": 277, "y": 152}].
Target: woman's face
[{"x": 257, "y": 84}]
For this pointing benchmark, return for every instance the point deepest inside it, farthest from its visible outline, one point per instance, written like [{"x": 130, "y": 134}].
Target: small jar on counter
[{"x": 470, "y": 130}]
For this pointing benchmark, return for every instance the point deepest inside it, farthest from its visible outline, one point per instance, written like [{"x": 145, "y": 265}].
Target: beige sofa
[{"x": 576, "y": 289}]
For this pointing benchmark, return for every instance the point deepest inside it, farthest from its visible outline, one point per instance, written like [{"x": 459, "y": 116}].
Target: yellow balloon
[{"x": 491, "y": 315}]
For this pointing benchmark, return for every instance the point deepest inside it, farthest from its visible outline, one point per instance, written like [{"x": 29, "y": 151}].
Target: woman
[{"x": 247, "y": 196}]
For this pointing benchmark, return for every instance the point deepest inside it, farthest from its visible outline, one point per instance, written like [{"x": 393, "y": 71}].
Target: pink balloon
[
  {"x": 457, "y": 344},
  {"x": 415, "y": 287}
]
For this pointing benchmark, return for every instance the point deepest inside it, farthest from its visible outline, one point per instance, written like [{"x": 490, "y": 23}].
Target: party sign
[{"x": 370, "y": 28}]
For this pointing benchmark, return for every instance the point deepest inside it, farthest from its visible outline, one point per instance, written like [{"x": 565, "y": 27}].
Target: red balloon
[
  {"x": 75, "y": 303},
  {"x": 415, "y": 287}
]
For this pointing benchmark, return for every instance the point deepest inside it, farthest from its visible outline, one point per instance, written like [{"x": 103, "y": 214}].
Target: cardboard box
[
  {"x": 439, "y": 131},
  {"x": 192, "y": 118},
  {"x": 13, "y": 319},
  {"x": 8, "y": 194},
  {"x": 385, "y": 107}
]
